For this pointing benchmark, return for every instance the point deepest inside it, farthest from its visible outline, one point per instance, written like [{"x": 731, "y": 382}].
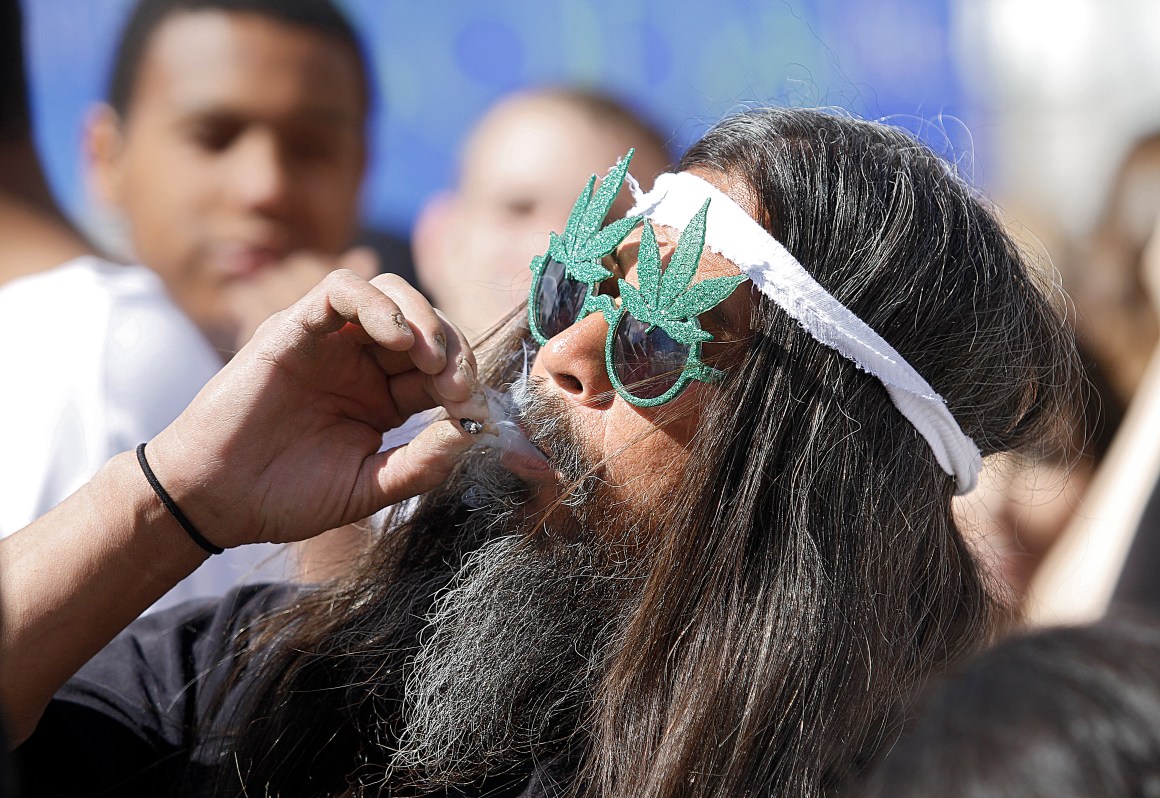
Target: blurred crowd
[{"x": 228, "y": 157}]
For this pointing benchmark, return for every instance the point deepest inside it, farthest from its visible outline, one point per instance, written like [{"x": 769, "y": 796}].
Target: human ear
[{"x": 104, "y": 148}]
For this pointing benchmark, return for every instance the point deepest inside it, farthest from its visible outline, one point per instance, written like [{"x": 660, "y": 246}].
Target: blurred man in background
[
  {"x": 118, "y": 361},
  {"x": 1116, "y": 316},
  {"x": 517, "y": 180},
  {"x": 233, "y": 138},
  {"x": 35, "y": 234}
]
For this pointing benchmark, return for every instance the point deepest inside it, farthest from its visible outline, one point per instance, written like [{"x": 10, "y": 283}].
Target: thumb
[{"x": 422, "y": 465}]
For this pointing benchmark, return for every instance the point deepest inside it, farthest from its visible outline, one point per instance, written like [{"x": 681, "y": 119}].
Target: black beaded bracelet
[{"x": 172, "y": 507}]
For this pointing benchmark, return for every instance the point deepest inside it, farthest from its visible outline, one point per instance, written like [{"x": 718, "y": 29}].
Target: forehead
[
  {"x": 711, "y": 264},
  {"x": 541, "y": 148},
  {"x": 249, "y": 64}
]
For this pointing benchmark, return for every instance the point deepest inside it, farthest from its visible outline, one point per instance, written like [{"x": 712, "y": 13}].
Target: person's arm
[
  {"x": 1076, "y": 580},
  {"x": 282, "y": 444},
  {"x": 1078, "y": 577},
  {"x": 75, "y": 577}
]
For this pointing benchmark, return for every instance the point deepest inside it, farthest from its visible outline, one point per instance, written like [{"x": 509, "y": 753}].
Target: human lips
[
  {"x": 549, "y": 449},
  {"x": 529, "y": 467},
  {"x": 523, "y": 458},
  {"x": 239, "y": 259}
]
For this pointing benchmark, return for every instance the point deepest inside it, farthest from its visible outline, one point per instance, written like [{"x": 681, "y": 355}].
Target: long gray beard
[
  {"x": 513, "y": 650},
  {"x": 509, "y": 661}
]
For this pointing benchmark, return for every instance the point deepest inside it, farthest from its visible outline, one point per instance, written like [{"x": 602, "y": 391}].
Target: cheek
[
  {"x": 333, "y": 190},
  {"x": 645, "y": 458},
  {"x": 665, "y": 436},
  {"x": 170, "y": 192},
  {"x": 679, "y": 420},
  {"x": 332, "y": 232},
  {"x": 171, "y": 215},
  {"x": 489, "y": 244}
]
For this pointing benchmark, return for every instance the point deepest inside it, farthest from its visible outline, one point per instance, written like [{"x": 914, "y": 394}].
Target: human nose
[
  {"x": 575, "y": 364},
  {"x": 261, "y": 174}
]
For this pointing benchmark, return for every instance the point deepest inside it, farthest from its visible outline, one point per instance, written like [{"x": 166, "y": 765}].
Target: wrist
[
  {"x": 172, "y": 507},
  {"x": 144, "y": 526},
  {"x": 193, "y": 482}
]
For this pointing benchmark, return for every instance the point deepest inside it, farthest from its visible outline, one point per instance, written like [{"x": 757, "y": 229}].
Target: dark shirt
[
  {"x": 127, "y": 718},
  {"x": 126, "y": 724}
]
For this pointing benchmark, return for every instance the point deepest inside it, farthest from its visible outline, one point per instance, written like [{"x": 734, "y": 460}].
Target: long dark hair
[
  {"x": 816, "y": 576},
  {"x": 810, "y": 577}
]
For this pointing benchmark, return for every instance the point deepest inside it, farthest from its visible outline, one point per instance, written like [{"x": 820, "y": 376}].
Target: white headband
[{"x": 733, "y": 233}]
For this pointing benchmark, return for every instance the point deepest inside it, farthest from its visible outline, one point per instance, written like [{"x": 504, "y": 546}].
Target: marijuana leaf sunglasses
[{"x": 653, "y": 348}]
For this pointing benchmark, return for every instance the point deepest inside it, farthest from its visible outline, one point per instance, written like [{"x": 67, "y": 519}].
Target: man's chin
[
  {"x": 512, "y": 654},
  {"x": 556, "y": 510},
  {"x": 543, "y": 519}
]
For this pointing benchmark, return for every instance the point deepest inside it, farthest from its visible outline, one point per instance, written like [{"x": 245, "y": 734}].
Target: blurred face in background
[
  {"x": 243, "y": 142},
  {"x": 521, "y": 172},
  {"x": 1113, "y": 284}
]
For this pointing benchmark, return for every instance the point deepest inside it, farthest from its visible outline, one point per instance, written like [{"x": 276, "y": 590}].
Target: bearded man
[{"x": 734, "y": 561}]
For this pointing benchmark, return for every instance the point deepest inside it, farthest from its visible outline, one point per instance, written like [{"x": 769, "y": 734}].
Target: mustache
[{"x": 545, "y": 419}]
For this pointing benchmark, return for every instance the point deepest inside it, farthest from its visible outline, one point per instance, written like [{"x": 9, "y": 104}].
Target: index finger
[
  {"x": 344, "y": 298},
  {"x": 441, "y": 350},
  {"x": 377, "y": 318},
  {"x": 431, "y": 331}
]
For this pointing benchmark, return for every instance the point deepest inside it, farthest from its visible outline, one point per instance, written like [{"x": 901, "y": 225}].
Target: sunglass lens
[
  {"x": 559, "y": 300},
  {"x": 647, "y": 363}
]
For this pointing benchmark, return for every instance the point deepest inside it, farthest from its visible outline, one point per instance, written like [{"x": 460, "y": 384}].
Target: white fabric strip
[{"x": 733, "y": 233}]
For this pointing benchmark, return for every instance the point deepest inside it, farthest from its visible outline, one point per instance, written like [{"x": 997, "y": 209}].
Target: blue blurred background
[{"x": 682, "y": 63}]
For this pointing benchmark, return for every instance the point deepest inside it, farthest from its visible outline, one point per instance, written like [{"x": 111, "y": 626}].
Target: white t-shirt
[{"x": 94, "y": 359}]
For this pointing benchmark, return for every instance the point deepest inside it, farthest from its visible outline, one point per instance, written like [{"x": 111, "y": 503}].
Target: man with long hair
[{"x": 729, "y": 561}]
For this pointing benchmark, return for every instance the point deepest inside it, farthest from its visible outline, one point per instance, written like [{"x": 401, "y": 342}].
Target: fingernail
[
  {"x": 441, "y": 342},
  {"x": 400, "y": 321},
  {"x": 464, "y": 367}
]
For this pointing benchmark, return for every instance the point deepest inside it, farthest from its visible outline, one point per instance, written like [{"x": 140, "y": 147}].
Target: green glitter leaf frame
[
  {"x": 665, "y": 299},
  {"x": 584, "y": 244}
]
